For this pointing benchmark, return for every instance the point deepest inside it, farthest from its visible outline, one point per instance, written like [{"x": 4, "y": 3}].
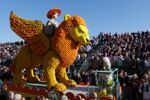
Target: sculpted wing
[{"x": 32, "y": 32}]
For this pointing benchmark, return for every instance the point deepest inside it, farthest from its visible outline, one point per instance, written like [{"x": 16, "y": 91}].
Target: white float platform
[{"x": 83, "y": 89}]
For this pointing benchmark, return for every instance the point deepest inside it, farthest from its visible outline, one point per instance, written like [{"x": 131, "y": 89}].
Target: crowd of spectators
[
  {"x": 129, "y": 52},
  {"x": 8, "y": 51},
  {"x": 133, "y": 87},
  {"x": 126, "y": 50}
]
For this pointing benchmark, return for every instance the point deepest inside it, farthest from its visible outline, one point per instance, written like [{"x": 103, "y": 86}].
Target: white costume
[
  {"x": 52, "y": 21},
  {"x": 51, "y": 26}
]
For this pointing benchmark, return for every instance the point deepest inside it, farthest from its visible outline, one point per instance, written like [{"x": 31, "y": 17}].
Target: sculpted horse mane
[
  {"x": 55, "y": 53},
  {"x": 62, "y": 37}
]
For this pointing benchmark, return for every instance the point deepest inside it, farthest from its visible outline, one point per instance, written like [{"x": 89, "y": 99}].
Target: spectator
[
  {"x": 11, "y": 95},
  {"x": 78, "y": 78},
  {"x": 1, "y": 84},
  {"x": 134, "y": 86},
  {"x": 84, "y": 76},
  {"x": 126, "y": 86},
  {"x": 64, "y": 97},
  {"x": 4, "y": 92},
  {"x": 17, "y": 97}
]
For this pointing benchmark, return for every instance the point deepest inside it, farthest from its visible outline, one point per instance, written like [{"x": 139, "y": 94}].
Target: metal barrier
[{"x": 101, "y": 82}]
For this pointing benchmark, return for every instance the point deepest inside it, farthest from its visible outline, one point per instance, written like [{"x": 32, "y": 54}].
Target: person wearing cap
[{"x": 52, "y": 24}]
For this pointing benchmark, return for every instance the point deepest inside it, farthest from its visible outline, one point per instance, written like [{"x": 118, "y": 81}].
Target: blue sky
[{"x": 100, "y": 15}]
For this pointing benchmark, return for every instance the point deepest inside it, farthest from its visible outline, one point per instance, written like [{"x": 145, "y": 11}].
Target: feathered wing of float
[{"x": 55, "y": 53}]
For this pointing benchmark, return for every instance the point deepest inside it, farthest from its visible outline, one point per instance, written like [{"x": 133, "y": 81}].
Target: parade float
[{"x": 55, "y": 53}]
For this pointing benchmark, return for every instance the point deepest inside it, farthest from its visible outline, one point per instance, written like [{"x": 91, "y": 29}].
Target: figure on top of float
[{"x": 52, "y": 24}]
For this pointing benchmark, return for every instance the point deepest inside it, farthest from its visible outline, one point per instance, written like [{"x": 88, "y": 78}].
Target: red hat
[{"x": 52, "y": 11}]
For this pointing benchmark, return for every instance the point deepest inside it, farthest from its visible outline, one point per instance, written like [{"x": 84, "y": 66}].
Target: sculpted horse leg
[
  {"x": 63, "y": 78},
  {"x": 21, "y": 61},
  {"x": 51, "y": 62},
  {"x": 36, "y": 61},
  {"x": 30, "y": 75},
  {"x": 18, "y": 77}
]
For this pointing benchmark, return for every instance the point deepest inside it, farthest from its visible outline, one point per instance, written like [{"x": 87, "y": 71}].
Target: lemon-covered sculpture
[{"x": 55, "y": 53}]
